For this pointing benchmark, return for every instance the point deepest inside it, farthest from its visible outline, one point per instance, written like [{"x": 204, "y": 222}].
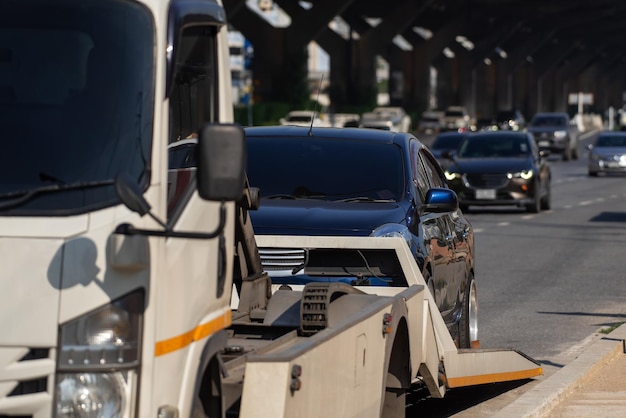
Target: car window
[
  {"x": 611, "y": 141},
  {"x": 447, "y": 141},
  {"x": 494, "y": 146},
  {"x": 184, "y": 156},
  {"x": 549, "y": 121},
  {"x": 433, "y": 174},
  {"x": 326, "y": 169}
]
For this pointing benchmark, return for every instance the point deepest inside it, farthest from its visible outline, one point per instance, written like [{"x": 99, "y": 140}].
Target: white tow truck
[{"x": 107, "y": 312}]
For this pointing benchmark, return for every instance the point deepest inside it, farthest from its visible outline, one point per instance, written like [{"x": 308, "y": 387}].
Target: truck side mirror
[{"x": 222, "y": 160}]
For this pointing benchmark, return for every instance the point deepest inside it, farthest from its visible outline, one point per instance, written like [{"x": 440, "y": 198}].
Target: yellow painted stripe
[
  {"x": 198, "y": 333},
  {"x": 456, "y": 382}
]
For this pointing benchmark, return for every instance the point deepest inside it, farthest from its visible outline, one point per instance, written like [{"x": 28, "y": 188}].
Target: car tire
[
  {"x": 535, "y": 206},
  {"x": 593, "y": 174},
  {"x": 464, "y": 208},
  {"x": 546, "y": 203},
  {"x": 468, "y": 324},
  {"x": 567, "y": 154}
]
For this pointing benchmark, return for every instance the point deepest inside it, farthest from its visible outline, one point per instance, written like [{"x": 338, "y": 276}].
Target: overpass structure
[{"x": 488, "y": 54}]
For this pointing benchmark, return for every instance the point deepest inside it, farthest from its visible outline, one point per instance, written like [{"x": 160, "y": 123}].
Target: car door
[
  {"x": 451, "y": 285},
  {"x": 439, "y": 243}
]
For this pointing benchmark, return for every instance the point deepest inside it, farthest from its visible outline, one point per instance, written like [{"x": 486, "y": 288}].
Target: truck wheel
[{"x": 468, "y": 325}]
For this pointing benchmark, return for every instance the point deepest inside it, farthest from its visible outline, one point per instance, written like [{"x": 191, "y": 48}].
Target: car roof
[
  {"x": 499, "y": 134},
  {"x": 364, "y": 134},
  {"x": 612, "y": 133},
  {"x": 543, "y": 114}
]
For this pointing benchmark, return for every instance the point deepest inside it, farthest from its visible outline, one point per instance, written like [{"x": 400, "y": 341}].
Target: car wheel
[
  {"x": 468, "y": 325},
  {"x": 567, "y": 154},
  {"x": 593, "y": 174},
  {"x": 535, "y": 206},
  {"x": 464, "y": 208},
  {"x": 546, "y": 200}
]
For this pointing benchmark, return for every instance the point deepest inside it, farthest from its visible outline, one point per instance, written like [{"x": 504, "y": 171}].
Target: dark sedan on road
[
  {"x": 363, "y": 182},
  {"x": 500, "y": 168},
  {"x": 445, "y": 143},
  {"x": 554, "y": 132},
  {"x": 608, "y": 153}
]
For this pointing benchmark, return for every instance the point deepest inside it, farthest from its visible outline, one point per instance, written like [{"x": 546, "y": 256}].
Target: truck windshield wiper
[{"x": 23, "y": 196}]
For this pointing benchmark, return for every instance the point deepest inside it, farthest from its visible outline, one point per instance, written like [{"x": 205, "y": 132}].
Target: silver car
[{"x": 608, "y": 154}]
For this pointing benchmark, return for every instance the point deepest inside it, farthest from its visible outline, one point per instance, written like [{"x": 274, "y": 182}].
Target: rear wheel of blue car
[{"x": 468, "y": 325}]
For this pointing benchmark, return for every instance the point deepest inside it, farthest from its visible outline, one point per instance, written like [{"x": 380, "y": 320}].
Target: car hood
[
  {"x": 318, "y": 217},
  {"x": 489, "y": 165}
]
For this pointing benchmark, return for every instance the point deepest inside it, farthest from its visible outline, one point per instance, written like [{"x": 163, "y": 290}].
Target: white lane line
[
  {"x": 477, "y": 230},
  {"x": 504, "y": 223},
  {"x": 585, "y": 202}
]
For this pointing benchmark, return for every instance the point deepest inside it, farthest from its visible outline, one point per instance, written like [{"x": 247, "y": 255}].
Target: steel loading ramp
[{"x": 389, "y": 259}]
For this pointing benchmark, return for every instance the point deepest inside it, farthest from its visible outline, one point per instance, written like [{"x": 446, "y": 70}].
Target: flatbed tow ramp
[{"x": 328, "y": 347}]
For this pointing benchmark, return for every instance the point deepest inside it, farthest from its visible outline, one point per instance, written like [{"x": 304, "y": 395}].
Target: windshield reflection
[{"x": 75, "y": 98}]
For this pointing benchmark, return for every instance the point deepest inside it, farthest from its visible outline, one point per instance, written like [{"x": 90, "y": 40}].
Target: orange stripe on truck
[
  {"x": 456, "y": 382},
  {"x": 196, "y": 334}
]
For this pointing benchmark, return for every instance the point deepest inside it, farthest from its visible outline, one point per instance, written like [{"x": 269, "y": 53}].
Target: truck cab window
[{"x": 192, "y": 102}]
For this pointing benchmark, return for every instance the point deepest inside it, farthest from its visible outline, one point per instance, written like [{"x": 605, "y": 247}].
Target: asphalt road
[{"x": 546, "y": 281}]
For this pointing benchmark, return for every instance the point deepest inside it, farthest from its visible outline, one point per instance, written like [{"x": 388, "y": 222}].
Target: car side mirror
[{"x": 440, "y": 200}]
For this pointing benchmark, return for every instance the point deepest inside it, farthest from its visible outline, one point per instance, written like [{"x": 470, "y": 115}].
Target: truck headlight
[
  {"x": 98, "y": 360},
  {"x": 88, "y": 395}
]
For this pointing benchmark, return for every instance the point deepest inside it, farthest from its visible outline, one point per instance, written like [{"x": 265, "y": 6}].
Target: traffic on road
[{"x": 549, "y": 280}]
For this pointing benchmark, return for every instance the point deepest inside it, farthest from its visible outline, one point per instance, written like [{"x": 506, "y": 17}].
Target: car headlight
[
  {"x": 393, "y": 230},
  {"x": 560, "y": 134},
  {"x": 526, "y": 175},
  {"x": 98, "y": 360},
  {"x": 451, "y": 175}
]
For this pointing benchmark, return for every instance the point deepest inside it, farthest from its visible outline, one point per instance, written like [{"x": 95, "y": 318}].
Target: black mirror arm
[{"x": 128, "y": 229}]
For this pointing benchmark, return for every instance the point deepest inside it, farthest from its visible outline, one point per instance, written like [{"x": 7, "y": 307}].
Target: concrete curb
[{"x": 540, "y": 400}]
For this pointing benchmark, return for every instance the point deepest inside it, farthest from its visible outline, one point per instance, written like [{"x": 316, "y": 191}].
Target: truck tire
[{"x": 468, "y": 325}]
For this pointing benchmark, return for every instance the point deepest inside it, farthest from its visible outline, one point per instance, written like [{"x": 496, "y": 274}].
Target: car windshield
[
  {"x": 327, "y": 169},
  {"x": 76, "y": 81},
  {"x": 494, "y": 146},
  {"x": 611, "y": 141},
  {"x": 447, "y": 141},
  {"x": 549, "y": 121}
]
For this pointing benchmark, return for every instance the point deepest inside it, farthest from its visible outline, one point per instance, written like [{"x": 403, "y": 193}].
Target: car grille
[
  {"x": 282, "y": 261},
  {"x": 483, "y": 180},
  {"x": 26, "y": 377}
]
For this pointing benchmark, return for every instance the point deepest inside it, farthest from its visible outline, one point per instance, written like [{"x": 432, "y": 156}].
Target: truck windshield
[{"x": 76, "y": 100}]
